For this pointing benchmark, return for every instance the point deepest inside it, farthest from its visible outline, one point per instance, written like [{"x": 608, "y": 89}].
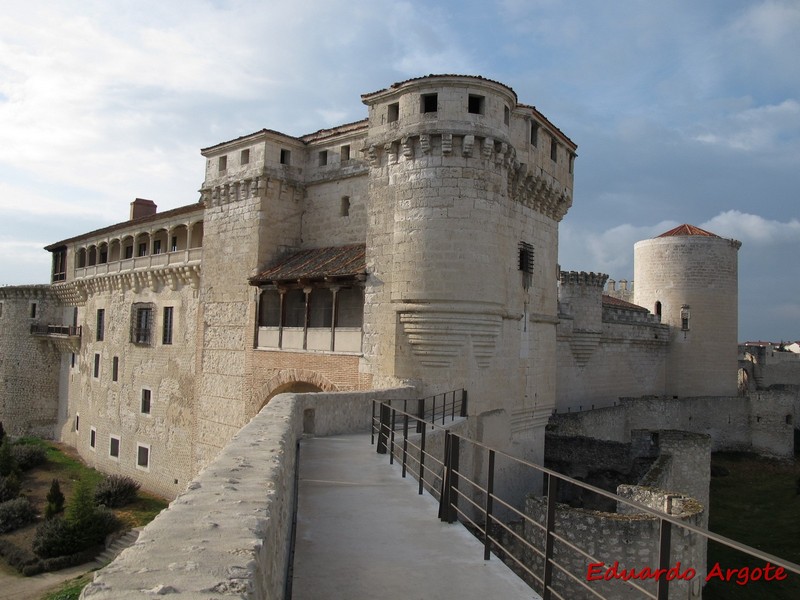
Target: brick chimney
[{"x": 142, "y": 208}]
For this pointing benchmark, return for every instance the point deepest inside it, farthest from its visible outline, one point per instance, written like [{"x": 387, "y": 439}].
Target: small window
[
  {"x": 157, "y": 247},
  {"x": 34, "y": 307},
  {"x": 145, "y": 405},
  {"x": 286, "y": 156},
  {"x": 534, "y": 133},
  {"x": 269, "y": 309},
  {"x": 142, "y": 249},
  {"x": 394, "y": 112},
  {"x": 166, "y": 337},
  {"x": 115, "y": 369},
  {"x": 323, "y": 158},
  {"x": 128, "y": 251},
  {"x": 101, "y": 322},
  {"x": 475, "y": 104},
  {"x": 73, "y": 360},
  {"x": 93, "y": 438},
  {"x": 658, "y": 309},
  {"x": 113, "y": 447},
  {"x": 571, "y": 163},
  {"x": 526, "y": 263},
  {"x": 223, "y": 164},
  {"x": 96, "y": 365},
  {"x": 142, "y": 324},
  {"x": 685, "y": 317},
  {"x": 173, "y": 247},
  {"x": 553, "y": 150},
  {"x": 506, "y": 115},
  {"x": 244, "y": 157},
  {"x": 344, "y": 154},
  {"x": 1, "y": 309},
  {"x": 429, "y": 103},
  {"x": 143, "y": 456},
  {"x": 77, "y": 422},
  {"x": 344, "y": 208}
]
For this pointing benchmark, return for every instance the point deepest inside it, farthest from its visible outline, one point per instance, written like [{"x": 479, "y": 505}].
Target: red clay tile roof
[
  {"x": 616, "y": 302},
  {"x": 687, "y": 230},
  {"x": 319, "y": 263}
]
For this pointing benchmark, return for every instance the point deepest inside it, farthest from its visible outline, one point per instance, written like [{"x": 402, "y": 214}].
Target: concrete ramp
[{"x": 364, "y": 532}]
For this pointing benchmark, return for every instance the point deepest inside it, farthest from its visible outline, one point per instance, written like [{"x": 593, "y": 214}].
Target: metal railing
[
  {"x": 59, "y": 330},
  {"x": 432, "y": 409},
  {"x": 477, "y": 505}
]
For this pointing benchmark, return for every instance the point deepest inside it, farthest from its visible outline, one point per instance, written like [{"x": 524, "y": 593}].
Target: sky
[{"x": 683, "y": 111}]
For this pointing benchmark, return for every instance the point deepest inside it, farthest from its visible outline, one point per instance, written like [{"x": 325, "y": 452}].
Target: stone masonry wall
[
  {"x": 227, "y": 535},
  {"x": 29, "y": 365}
]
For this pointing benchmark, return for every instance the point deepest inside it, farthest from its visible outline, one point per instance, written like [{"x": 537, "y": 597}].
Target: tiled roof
[
  {"x": 616, "y": 302},
  {"x": 687, "y": 230},
  {"x": 319, "y": 263}
]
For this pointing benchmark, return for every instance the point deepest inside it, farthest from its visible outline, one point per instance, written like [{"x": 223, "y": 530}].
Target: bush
[
  {"x": 9, "y": 487},
  {"x": 55, "y": 500},
  {"x": 15, "y": 514},
  {"x": 7, "y": 463},
  {"x": 28, "y": 457},
  {"x": 56, "y": 537},
  {"x": 115, "y": 491}
]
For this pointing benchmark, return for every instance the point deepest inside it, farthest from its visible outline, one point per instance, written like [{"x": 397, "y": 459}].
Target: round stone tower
[
  {"x": 689, "y": 277},
  {"x": 466, "y": 190}
]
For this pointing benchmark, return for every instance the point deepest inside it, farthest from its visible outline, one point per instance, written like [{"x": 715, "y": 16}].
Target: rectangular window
[
  {"x": 157, "y": 247},
  {"x": 101, "y": 329},
  {"x": 33, "y": 310},
  {"x": 115, "y": 369},
  {"x": 166, "y": 337},
  {"x": 143, "y": 456},
  {"x": 475, "y": 104},
  {"x": 146, "y": 396},
  {"x": 77, "y": 422},
  {"x": 223, "y": 164},
  {"x": 344, "y": 154},
  {"x": 429, "y": 103},
  {"x": 73, "y": 360},
  {"x": 174, "y": 244},
  {"x": 113, "y": 447},
  {"x": 244, "y": 157},
  {"x": 1, "y": 309},
  {"x": 92, "y": 438},
  {"x": 534, "y": 134},
  {"x": 394, "y": 112},
  {"x": 96, "y": 365},
  {"x": 571, "y": 163},
  {"x": 142, "y": 324},
  {"x": 269, "y": 309},
  {"x": 553, "y": 150},
  {"x": 142, "y": 249},
  {"x": 506, "y": 115},
  {"x": 128, "y": 251},
  {"x": 344, "y": 207},
  {"x": 286, "y": 156},
  {"x": 323, "y": 158}
]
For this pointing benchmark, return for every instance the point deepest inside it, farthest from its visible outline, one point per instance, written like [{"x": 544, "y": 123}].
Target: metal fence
[
  {"x": 432, "y": 454},
  {"x": 60, "y": 330}
]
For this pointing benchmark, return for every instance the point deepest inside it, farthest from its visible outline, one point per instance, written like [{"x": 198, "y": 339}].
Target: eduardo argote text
[{"x": 599, "y": 571}]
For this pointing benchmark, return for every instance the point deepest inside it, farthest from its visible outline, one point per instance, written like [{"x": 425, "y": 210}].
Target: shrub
[
  {"x": 7, "y": 463},
  {"x": 9, "y": 487},
  {"x": 115, "y": 491},
  {"x": 56, "y": 537},
  {"x": 55, "y": 500},
  {"x": 28, "y": 457},
  {"x": 15, "y": 514},
  {"x": 80, "y": 509}
]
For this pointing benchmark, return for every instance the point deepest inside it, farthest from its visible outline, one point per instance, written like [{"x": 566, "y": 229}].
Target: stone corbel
[
  {"x": 447, "y": 143},
  {"x": 408, "y": 148},
  {"x": 391, "y": 152},
  {"x": 488, "y": 148},
  {"x": 469, "y": 142},
  {"x": 425, "y": 143},
  {"x": 372, "y": 156}
]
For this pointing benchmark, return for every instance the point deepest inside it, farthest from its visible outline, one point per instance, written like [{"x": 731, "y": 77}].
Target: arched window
[{"x": 658, "y": 309}]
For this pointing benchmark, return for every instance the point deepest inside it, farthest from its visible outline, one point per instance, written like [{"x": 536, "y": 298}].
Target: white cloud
[
  {"x": 768, "y": 128},
  {"x": 754, "y": 229}
]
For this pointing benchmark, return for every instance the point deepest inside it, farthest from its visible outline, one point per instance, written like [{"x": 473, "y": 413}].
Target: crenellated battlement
[{"x": 583, "y": 278}]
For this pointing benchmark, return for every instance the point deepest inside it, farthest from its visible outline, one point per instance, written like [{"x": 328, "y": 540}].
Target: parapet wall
[
  {"x": 228, "y": 534},
  {"x": 761, "y": 422}
]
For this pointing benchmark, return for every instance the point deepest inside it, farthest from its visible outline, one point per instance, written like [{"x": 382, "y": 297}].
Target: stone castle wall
[{"x": 29, "y": 364}]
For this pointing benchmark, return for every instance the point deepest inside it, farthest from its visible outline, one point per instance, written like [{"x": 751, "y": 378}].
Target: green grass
[
  {"x": 71, "y": 590},
  {"x": 756, "y": 504}
]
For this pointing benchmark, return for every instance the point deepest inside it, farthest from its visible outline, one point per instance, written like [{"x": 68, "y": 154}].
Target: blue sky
[{"x": 683, "y": 111}]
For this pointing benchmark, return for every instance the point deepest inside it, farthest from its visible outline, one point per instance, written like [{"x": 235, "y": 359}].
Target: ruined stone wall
[
  {"x": 29, "y": 364},
  {"x": 103, "y": 404},
  {"x": 228, "y": 534}
]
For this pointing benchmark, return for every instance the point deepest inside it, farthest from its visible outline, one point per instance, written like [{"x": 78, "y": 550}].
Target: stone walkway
[{"x": 364, "y": 532}]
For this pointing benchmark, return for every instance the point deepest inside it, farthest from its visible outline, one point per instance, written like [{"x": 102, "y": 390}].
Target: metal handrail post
[
  {"x": 463, "y": 403},
  {"x": 487, "y": 543},
  {"x": 422, "y": 458},
  {"x": 383, "y": 427},
  {"x": 391, "y": 443},
  {"x": 552, "y": 484},
  {"x": 405, "y": 442},
  {"x": 664, "y": 541},
  {"x": 420, "y": 414},
  {"x": 444, "y": 495}
]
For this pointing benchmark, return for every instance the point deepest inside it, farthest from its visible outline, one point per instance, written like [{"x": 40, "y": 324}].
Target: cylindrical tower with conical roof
[{"x": 689, "y": 277}]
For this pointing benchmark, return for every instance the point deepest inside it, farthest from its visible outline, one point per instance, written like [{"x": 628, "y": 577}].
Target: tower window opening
[
  {"x": 344, "y": 154},
  {"x": 658, "y": 309},
  {"x": 429, "y": 103},
  {"x": 506, "y": 115},
  {"x": 286, "y": 156},
  {"x": 534, "y": 133},
  {"x": 475, "y": 104},
  {"x": 344, "y": 208},
  {"x": 571, "y": 163},
  {"x": 685, "y": 317},
  {"x": 393, "y": 114},
  {"x": 323, "y": 158},
  {"x": 526, "y": 263},
  {"x": 553, "y": 150},
  {"x": 244, "y": 158},
  {"x": 223, "y": 164}
]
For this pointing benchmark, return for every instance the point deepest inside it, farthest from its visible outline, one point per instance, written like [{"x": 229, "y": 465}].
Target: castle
[{"x": 415, "y": 247}]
